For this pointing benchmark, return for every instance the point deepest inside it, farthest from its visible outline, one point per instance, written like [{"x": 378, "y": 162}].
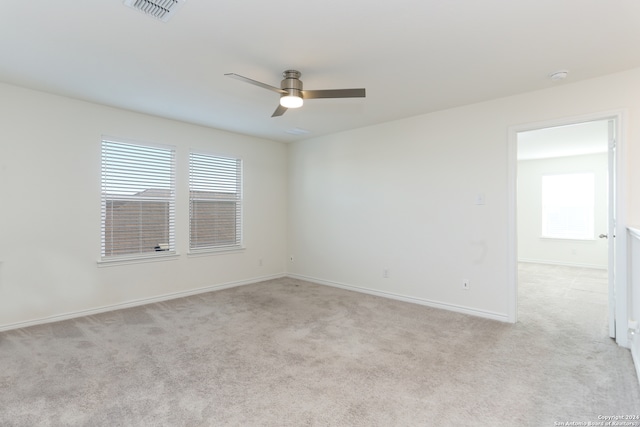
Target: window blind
[
  {"x": 215, "y": 202},
  {"x": 138, "y": 199}
]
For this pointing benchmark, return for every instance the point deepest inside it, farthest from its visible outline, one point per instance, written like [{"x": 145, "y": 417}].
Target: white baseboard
[
  {"x": 136, "y": 303},
  {"x": 566, "y": 264},
  {"x": 421, "y": 301}
]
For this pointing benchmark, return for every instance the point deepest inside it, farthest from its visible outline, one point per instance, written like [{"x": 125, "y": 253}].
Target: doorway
[{"x": 565, "y": 235}]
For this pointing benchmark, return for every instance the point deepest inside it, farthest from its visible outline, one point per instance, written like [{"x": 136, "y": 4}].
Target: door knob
[{"x": 604, "y": 236}]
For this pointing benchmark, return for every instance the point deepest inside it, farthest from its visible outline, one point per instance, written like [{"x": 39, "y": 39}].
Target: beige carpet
[{"x": 291, "y": 353}]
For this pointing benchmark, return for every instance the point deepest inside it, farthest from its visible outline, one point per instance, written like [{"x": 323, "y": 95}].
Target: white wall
[
  {"x": 401, "y": 195},
  {"x": 533, "y": 248},
  {"x": 634, "y": 301},
  {"x": 50, "y": 208}
]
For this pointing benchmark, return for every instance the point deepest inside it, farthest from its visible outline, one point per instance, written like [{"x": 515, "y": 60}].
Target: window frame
[
  {"x": 166, "y": 180},
  {"x": 588, "y": 207},
  {"x": 208, "y": 179}
]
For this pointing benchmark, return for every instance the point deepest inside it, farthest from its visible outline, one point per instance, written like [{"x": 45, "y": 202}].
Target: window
[
  {"x": 138, "y": 200},
  {"x": 215, "y": 203},
  {"x": 568, "y": 206}
]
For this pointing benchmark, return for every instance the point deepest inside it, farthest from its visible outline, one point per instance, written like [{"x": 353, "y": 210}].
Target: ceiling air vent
[{"x": 159, "y": 9}]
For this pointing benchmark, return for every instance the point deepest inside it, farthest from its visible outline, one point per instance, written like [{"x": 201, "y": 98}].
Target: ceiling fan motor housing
[{"x": 292, "y": 83}]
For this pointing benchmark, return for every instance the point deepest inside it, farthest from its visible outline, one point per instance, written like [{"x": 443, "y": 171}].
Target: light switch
[{"x": 480, "y": 199}]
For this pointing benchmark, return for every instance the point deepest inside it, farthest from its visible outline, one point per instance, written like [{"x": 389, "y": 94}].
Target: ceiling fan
[{"x": 292, "y": 94}]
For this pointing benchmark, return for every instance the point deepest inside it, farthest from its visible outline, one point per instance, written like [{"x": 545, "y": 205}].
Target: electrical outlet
[
  {"x": 465, "y": 284},
  {"x": 260, "y": 262},
  {"x": 385, "y": 273}
]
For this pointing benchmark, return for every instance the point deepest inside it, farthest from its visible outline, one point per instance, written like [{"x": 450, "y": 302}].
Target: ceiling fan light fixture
[{"x": 291, "y": 101}]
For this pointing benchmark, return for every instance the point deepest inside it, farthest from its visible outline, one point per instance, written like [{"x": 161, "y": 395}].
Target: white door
[{"x": 611, "y": 224}]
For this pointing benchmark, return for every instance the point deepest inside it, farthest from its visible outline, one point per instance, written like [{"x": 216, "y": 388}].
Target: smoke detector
[
  {"x": 559, "y": 75},
  {"x": 162, "y": 10}
]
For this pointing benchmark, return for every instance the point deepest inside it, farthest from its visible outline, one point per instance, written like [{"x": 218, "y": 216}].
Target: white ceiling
[
  {"x": 412, "y": 57},
  {"x": 561, "y": 141}
]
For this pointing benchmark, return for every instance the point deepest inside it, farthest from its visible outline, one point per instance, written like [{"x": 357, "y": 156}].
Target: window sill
[
  {"x": 113, "y": 261},
  {"x": 219, "y": 251}
]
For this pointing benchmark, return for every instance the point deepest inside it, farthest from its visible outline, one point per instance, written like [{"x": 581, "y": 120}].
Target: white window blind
[
  {"x": 138, "y": 200},
  {"x": 568, "y": 204},
  {"x": 215, "y": 202}
]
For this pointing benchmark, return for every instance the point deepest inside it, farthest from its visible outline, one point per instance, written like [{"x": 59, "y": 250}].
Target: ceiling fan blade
[
  {"x": 255, "y": 82},
  {"x": 333, "y": 93},
  {"x": 279, "y": 111}
]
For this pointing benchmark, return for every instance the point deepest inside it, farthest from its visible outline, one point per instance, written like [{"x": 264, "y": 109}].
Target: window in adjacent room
[
  {"x": 138, "y": 200},
  {"x": 215, "y": 203},
  {"x": 568, "y": 204}
]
